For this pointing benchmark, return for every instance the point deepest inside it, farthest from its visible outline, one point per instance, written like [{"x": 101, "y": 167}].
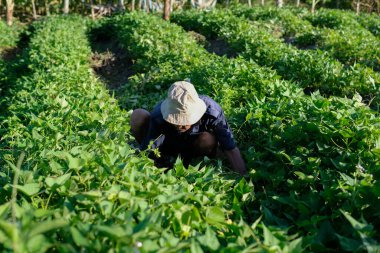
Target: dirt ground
[
  {"x": 111, "y": 63},
  {"x": 220, "y": 47},
  {"x": 113, "y": 66},
  {"x": 217, "y": 46},
  {"x": 9, "y": 54}
]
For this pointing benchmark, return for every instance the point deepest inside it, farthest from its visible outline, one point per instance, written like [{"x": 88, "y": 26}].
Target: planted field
[
  {"x": 8, "y": 35},
  {"x": 310, "y": 69},
  {"x": 345, "y": 39},
  {"x": 70, "y": 179}
]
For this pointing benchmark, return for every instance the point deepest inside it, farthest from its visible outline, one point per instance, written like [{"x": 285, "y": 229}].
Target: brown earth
[
  {"x": 217, "y": 46},
  {"x": 9, "y": 54},
  {"x": 220, "y": 47},
  {"x": 111, "y": 63}
]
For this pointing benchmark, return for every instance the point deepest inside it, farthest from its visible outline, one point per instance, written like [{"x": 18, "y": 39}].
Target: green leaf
[
  {"x": 115, "y": 232},
  {"x": 36, "y": 135},
  {"x": 248, "y": 116},
  {"x": 106, "y": 207},
  {"x": 29, "y": 189},
  {"x": 209, "y": 239},
  {"x": 55, "y": 166},
  {"x": 93, "y": 194},
  {"x": 348, "y": 244},
  {"x": 166, "y": 199},
  {"x": 269, "y": 238},
  {"x": 79, "y": 239},
  {"x": 47, "y": 226},
  {"x": 142, "y": 225},
  {"x": 57, "y": 181},
  {"x": 76, "y": 163},
  {"x": 4, "y": 209},
  {"x": 300, "y": 175},
  {"x": 38, "y": 244},
  {"x": 150, "y": 246},
  {"x": 124, "y": 196},
  {"x": 376, "y": 151},
  {"x": 15, "y": 169},
  {"x": 294, "y": 246},
  {"x": 179, "y": 168},
  {"x": 356, "y": 224},
  {"x": 10, "y": 230},
  {"x": 347, "y": 179},
  {"x": 254, "y": 225},
  {"x": 62, "y": 102},
  {"x": 195, "y": 247},
  {"x": 215, "y": 215},
  {"x": 346, "y": 133}
]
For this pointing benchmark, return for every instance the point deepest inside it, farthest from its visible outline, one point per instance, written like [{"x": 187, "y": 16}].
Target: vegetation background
[
  {"x": 26, "y": 10},
  {"x": 301, "y": 91}
]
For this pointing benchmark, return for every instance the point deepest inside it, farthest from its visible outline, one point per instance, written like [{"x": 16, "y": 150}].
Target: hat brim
[{"x": 174, "y": 116}]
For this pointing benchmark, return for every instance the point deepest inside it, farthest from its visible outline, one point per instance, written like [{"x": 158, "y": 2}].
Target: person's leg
[
  {"x": 139, "y": 124},
  {"x": 204, "y": 144}
]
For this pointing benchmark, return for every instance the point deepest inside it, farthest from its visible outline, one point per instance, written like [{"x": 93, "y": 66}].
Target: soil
[
  {"x": 220, "y": 47},
  {"x": 291, "y": 41},
  {"x": 10, "y": 54},
  {"x": 217, "y": 46},
  {"x": 111, "y": 63}
]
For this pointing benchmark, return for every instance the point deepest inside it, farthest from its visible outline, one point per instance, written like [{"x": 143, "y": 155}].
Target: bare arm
[{"x": 236, "y": 161}]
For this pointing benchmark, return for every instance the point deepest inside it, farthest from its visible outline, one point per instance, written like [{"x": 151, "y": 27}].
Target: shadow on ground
[{"x": 110, "y": 62}]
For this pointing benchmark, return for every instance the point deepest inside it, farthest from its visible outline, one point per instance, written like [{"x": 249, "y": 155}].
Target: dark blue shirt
[{"x": 213, "y": 121}]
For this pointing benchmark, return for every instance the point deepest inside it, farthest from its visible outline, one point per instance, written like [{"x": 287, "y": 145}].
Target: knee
[
  {"x": 139, "y": 124},
  {"x": 205, "y": 144},
  {"x": 139, "y": 116}
]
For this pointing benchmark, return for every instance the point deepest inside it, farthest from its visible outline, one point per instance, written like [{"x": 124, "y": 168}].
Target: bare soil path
[
  {"x": 111, "y": 63},
  {"x": 217, "y": 46},
  {"x": 9, "y": 54}
]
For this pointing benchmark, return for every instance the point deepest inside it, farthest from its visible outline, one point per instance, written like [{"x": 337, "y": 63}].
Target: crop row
[
  {"x": 312, "y": 70},
  {"x": 9, "y": 34},
  {"x": 70, "y": 182},
  {"x": 340, "y": 19},
  {"x": 8, "y": 40},
  {"x": 371, "y": 22},
  {"x": 175, "y": 57},
  {"x": 82, "y": 187},
  {"x": 307, "y": 154},
  {"x": 349, "y": 44},
  {"x": 350, "y": 37}
]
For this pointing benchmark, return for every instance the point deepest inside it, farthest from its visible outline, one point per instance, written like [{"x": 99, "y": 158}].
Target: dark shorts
[{"x": 171, "y": 148}]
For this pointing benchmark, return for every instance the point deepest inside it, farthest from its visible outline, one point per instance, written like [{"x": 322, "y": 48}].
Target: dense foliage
[
  {"x": 337, "y": 32},
  {"x": 311, "y": 69},
  {"x": 341, "y": 34},
  {"x": 268, "y": 126},
  {"x": 9, "y": 34},
  {"x": 371, "y": 22},
  {"x": 71, "y": 180}
]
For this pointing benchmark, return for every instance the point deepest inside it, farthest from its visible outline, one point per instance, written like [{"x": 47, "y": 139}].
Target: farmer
[{"x": 188, "y": 125}]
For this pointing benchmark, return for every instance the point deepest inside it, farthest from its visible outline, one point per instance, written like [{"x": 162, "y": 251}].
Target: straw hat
[{"x": 183, "y": 105}]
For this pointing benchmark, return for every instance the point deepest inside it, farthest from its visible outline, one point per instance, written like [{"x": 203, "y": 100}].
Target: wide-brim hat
[{"x": 183, "y": 105}]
